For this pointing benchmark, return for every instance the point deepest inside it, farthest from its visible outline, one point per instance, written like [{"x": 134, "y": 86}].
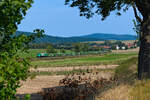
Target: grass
[
  {"x": 120, "y": 92},
  {"x": 84, "y": 61},
  {"x": 32, "y": 53},
  {"x": 127, "y": 67},
  {"x": 128, "y": 87},
  {"x": 141, "y": 90}
]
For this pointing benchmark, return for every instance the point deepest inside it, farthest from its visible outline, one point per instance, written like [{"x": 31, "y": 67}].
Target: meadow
[
  {"x": 107, "y": 59},
  {"x": 32, "y": 53}
]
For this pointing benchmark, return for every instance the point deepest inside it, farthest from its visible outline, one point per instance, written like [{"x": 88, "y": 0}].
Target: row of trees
[{"x": 77, "y": 47}]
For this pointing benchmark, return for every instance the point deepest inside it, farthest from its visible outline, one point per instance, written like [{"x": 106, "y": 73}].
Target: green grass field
[
  {"x": 84, "y": 61},
  {"x": 32, "y": 53},
  {"x": 88, "y": 60}
]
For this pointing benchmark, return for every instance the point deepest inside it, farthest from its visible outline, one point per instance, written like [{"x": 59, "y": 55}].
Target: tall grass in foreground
[
  {"x": 129, "y": 87},
  {"x": 141, "y": 90}
]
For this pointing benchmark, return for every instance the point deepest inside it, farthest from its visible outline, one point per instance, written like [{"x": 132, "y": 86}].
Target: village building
[{"x": 117, "y": 47}]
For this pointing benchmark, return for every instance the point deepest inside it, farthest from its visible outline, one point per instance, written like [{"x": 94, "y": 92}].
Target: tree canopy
[{"x": 104, "y": 8}]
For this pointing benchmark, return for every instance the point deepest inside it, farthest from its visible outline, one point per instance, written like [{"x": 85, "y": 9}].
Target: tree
[
  {"x": 137, "y": 28},
  {"x": 119, "y": 43},
  {"x": 51, "y": 49},
  {"x": 13, "y": 68},
  {"x": 85, "y": 47},
  {"x": 62, "y": 51},
  {"x": 107, "y": 43},
  {"x": 77, "y": 47},
  {"x": 104, "y": 7}
]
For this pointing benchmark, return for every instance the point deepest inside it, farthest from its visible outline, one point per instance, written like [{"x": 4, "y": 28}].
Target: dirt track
[{"x": 55, "y": 69}]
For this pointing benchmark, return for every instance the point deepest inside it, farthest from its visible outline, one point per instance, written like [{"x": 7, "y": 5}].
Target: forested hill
[
  {"x": 106, "y": 36},
  {"x": 91, "y": 37}
]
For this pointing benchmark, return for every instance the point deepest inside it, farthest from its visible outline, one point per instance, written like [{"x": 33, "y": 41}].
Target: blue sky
[{"x": 58, "y": 19}]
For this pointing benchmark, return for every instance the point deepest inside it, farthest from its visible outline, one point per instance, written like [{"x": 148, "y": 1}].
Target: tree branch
[{"x": 136, "y": 15}]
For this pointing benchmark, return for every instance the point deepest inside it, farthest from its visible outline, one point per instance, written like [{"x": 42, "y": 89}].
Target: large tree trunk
[{"x": 144, "y": 53}]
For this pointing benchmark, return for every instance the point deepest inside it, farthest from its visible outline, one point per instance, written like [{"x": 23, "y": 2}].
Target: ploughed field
[{"x": 49, "y": 72}]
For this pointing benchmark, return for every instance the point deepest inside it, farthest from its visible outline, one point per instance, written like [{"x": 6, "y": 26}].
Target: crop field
[
  {"x": 49, "y": 72},
  {"x": 107, "y": 59}
]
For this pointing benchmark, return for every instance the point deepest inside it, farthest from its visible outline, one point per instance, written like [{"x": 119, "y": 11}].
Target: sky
[{"x": 58, "y": 19}]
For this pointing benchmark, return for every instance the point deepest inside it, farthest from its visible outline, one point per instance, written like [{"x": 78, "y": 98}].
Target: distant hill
[
  {"x": 85, "y": 38},
  {"x": 106, "y": 36}
]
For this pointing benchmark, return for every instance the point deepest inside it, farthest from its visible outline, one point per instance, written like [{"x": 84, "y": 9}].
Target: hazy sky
[{"x": 58, "y": 19}]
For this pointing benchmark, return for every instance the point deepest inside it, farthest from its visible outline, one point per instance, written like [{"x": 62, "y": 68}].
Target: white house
[
  {"x": 117, "y": 47},
  {"x": 123, "y": 48}
]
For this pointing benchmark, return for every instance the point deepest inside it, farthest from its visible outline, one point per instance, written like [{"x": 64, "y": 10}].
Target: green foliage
[
  {"x": 107, "y": 43},
  {"x": 28, "y": 97},
  {"x": 100, "y": 7},
  {"x": 62, "y": 51},
  {"x": 119, "y": 43},
  {"x": 51, "y": 49},
  {"x": 77, "y": 47},
  {"x": 81, "y": 47},
  {"x": 85, "y": 47},
  {"x": 13, "y": 68}
]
